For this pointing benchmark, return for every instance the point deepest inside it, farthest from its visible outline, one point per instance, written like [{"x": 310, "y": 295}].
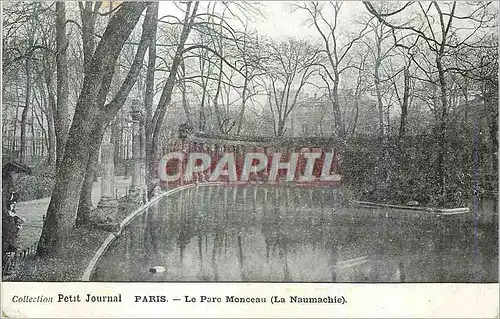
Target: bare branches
[{"x": 148, "y": 30}]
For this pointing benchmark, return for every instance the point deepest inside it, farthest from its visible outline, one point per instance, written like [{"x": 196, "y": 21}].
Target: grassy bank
[{"x": 70, "y": 264}]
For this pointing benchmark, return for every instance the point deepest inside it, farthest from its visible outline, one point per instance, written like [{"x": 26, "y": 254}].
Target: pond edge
[{"x": 89, "y": 270}]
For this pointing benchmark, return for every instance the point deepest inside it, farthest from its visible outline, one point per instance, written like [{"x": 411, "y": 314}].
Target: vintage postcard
[{"x": 249, "y": 159}]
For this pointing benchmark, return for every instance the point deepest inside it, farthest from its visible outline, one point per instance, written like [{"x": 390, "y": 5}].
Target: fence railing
[{"x": 14, "y": 258}]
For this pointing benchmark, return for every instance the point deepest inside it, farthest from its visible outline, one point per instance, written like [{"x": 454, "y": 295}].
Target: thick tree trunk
[
  {"x": 62, "y": 118},
  {"x": 88, "y": 15},
  {"x": 70, "y": 175},
  {"x": 280, "y": 132},
  {"x": 50, "y": 120},
  {"x": 87, "y": 128},
  {"x": 85, "y": 204},
  {"x": 245, "y": 86},
  {"x": 220, "y": 117}
]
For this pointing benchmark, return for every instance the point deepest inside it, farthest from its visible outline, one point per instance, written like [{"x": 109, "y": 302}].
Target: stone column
[
  {"x": 137, "y": 191},
  {"x": 107, "y": 208},
  {"x": 108, "y": 173}
]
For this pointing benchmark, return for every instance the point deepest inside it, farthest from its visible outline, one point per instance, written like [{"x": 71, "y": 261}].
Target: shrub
[
  {"x": 35, "y": 187},
  {"x": 397, "y": 172},
  {"x": 38, "y": 185}
]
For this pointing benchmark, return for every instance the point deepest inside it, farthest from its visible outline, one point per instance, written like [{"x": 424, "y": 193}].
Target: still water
[{"x": 275, "y": 234}]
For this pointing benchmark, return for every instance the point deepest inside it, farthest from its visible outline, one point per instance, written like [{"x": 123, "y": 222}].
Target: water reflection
[{"x": 288, "y": 234}]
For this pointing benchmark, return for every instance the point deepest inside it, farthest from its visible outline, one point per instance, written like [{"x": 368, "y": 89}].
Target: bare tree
[
  {"x": 290, "y": 68},
  {"x": 336, "y": 52},
  {"x": 252, "y": 59},
  {"x": 442, "y": 37},
  {"x": 166, "y": 95},
  {"x": 379, "y": 51},
  {"x": 357, "y": 91},
  {"x": 28, "y": 69}
]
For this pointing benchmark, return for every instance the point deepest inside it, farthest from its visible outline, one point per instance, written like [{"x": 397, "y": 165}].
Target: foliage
[
  {"x": 35, "y": 187},
  {"x": 397, "y": 172},
  {"x": 38, "y": 185}
]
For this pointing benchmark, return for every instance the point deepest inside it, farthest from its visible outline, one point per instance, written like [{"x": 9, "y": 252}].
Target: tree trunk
[
  {"x": 491, "y": 101},
  {"x": 85, "y": 204},
  {"x": 404, "y": 104},
  {"x": 33, "y": 135},
  {"x": 49, "y": 113},
  {"x": 24, "y": 115},
  {"x": 442, "y": 129},
  {"x": 87, "y": 129},
  {"x": 13, "y": 155},
  {"x": 356, "y": 115},
  {"x": 245, "y": 86},
  {"x": 339, "y": 126},
  {"x": 150, "y": 88},
  {"x": 166, "y": 95},
  {"x": 41, "y": 124},
  {"x": 281, "y": 128},
  {"x": 379, "y": 93},
  {"x": 88, "y": 16},
  {"x": 220, "y": 117},
  {"x": 243, "y": 102},
  {"x": 62, "y": 119},
  {"x": 183, "y": 87}
]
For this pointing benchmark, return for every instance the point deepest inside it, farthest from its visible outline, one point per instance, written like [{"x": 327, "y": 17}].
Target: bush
[
  {"x": 395, "y": 172},
  {"x": 35, "y": 187},
  {"x": 38, "y": 185}
]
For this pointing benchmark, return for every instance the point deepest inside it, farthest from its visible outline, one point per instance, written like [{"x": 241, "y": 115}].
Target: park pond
[{"x": 292, "y": 234}]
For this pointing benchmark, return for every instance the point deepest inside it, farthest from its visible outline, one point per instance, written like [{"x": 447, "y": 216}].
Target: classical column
[
  {"x": 104, "y": 216},
  {"x": 137, "y": 191},
  {"x": 108, "y": 172}
]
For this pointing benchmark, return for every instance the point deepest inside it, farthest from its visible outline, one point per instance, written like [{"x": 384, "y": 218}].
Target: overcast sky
[{"x": 278, "y": 18}]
